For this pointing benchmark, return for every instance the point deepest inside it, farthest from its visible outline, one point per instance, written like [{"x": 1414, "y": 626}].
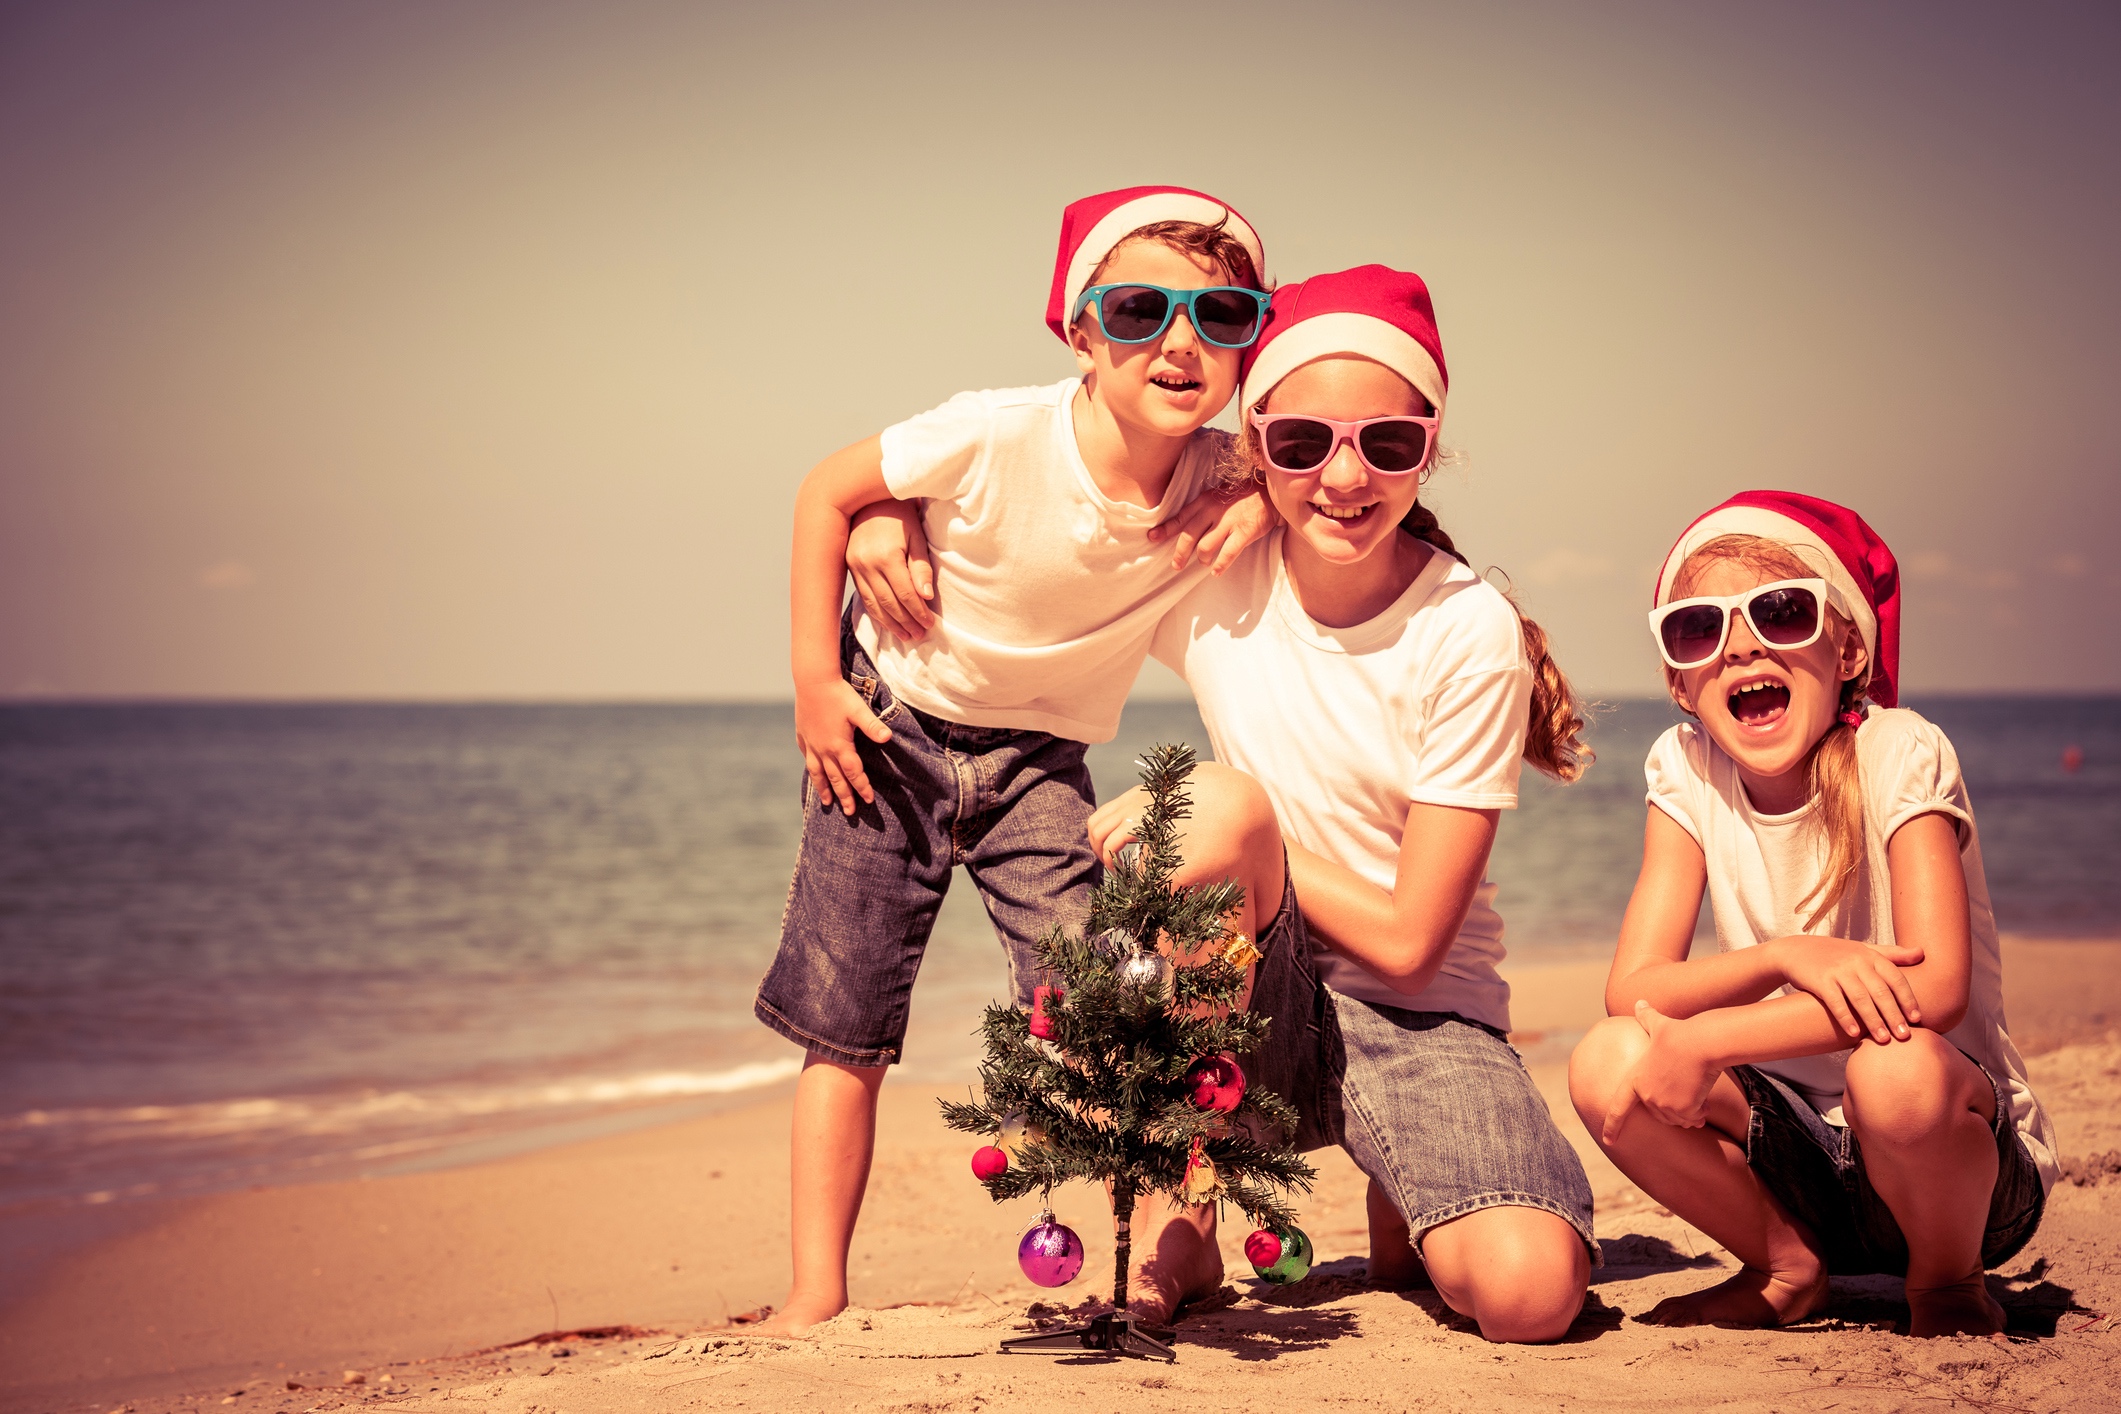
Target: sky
[{"x": 400, "y": 350}]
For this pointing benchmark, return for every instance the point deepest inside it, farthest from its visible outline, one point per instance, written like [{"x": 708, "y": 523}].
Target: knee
[
  {"x": 1520, "y": 1273},
  {"x": 1599, "y": 1066},
  {"x": 1528, "y": 1293},
  {"x": 1903, "y": 1093},
  {"x": 1232, "y": 826}
]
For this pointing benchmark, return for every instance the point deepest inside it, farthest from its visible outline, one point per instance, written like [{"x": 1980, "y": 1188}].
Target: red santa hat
[
  {"x": 1372, "y": 311},
  {"x": 1836, "y": 543},
  {"x": 1093, "y": 227}
]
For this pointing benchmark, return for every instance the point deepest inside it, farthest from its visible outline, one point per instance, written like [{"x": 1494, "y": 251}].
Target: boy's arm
[
  {"x": 1219, "y": 524},
  {"x": 827, "y": 710}
]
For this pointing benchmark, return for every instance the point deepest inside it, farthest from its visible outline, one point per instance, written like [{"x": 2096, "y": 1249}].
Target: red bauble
[
  {"x": 989, "y": 1162},
  {"x": 1263, "y": 1249},
  {"x": 1217, "y": 1084}
]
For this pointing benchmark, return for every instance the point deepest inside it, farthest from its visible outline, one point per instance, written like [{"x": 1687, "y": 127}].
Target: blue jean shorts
[
  {"x": 1815, "y": 1170},
  {"x": 1013, "y": 807},
  {"x": 1439, "y": 1110}
]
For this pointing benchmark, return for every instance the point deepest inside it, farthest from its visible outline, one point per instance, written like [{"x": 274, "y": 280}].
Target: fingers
[
  {"x": 1650, "y": 1019},
  {"x": 1837, "y": 1006},
  {"x": 1866, "y": 1008},
  {"x": 1616, "y": 1118},
  {"x": 882, "y": 604},
  {"x": 909, "y": 605},
  {"x": 923, "y": 576},
  {"x": 1891, "y": 1023},
  {"x": 1900, "y": 956},
  {"x": 1225, "y": 552},
  {"x": 1903, "y": 993},
  {"x": 820, "y": 787}
]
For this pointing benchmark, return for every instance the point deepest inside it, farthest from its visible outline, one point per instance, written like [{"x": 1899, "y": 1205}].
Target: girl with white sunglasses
[{"x": 1833, "y": 1092}]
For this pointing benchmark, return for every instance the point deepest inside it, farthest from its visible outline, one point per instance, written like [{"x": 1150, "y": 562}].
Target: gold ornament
[
  {"x": 1202, "y": 1183},
  {"x": 1240, "y": 953},
  {"x": 1018, "y": 1132}
]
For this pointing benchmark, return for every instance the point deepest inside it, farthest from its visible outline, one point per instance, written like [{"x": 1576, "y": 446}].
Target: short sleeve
[
  {"x": 1909, "y": 768},
  {"x": 1472, "y": 741},
  {"x": 935, "y": 454},
  {"x": 1673, "y": 779}
]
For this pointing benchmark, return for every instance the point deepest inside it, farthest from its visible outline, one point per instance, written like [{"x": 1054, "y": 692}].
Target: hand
[
  {"x": 827, "y": 714},
  {"x": 1672, "y": 1080},
  {"x": 1861, "y": 985},
  {"x": 1114, "y": 822},
  {"x": 1218, "y": 524},
  {"x": 887, "y": 550}
]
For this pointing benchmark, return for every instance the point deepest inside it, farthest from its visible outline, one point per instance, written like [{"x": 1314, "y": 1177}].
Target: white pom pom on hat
[{"x": 1093, "y": 227}]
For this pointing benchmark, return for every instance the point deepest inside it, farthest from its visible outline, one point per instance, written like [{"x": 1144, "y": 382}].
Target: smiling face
[
  {"x": 1342, "y": 512},
  {"x": 1766, "y": 707},
  {"x": 1173, "y": 384}
]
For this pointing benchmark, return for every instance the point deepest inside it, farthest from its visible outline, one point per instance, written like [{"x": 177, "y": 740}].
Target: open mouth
[
  {"x": 1759, "y": 704},
  {"x": 1344, "y": 515},
  {"x": 1172, "y": 383}
]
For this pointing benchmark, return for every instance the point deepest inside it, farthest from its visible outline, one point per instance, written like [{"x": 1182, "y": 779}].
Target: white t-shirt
[
  {"x": 1048, "y": 590},
  {"x": 1761, "y": 866},
  {"x": 1347, "y": 728}
]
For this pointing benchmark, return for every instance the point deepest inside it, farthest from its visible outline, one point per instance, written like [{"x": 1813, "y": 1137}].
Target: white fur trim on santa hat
[
  {"x": 1123, "y": 221},
  {"x": 1773, "y": 525},
  {"x": 1344, "y": 332}
]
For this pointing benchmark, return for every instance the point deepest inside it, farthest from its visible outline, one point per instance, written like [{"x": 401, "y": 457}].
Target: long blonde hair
[
  {"x": 1553, "y": 743},
  {"x": 1833, "y": 777}
]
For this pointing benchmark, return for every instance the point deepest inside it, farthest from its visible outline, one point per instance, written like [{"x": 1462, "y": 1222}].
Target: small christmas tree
[{"x": 1124, "y": 1070}]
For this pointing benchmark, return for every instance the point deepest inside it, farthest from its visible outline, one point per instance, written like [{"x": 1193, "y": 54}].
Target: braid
[{"x": 1421, "y": 523}]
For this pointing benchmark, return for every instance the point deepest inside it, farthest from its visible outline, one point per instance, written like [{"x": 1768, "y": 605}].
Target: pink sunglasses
[{"x": 1388, "y": 446}]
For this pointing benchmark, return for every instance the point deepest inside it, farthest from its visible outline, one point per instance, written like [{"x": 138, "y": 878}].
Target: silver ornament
[{"x": 1145, "y": 968}]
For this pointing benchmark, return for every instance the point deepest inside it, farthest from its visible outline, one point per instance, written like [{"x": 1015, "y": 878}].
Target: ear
[
  {"x": 1854, "y": 656},
  {"x": 1080, "y": 343},
  {"x": 1676, "y": 686}
]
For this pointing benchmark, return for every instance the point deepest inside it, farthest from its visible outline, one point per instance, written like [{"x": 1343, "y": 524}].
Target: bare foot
[
  {"x": 795, "y": 1319},
  {"x": 1751, "y": 1298},
  {"x": 1186, "y": 1265},
  {"x": 1963, "y": 1308}
]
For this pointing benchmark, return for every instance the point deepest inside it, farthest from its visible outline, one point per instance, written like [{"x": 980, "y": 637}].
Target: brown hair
[
  {"x": 1553, "y": 743},
  {"x": 1212, "y": 243},
  {"x": 1833, "y": 777}
]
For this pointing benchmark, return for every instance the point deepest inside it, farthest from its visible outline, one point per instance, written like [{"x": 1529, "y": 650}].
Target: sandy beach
[{"x": 429, "y": 1288}]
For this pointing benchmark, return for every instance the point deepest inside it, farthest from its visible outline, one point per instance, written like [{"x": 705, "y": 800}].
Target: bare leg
[
  {"x": 834, "y": 1138},
  {"x": 1702, "y": 1175},
  {"x": 1921, "y": 1111},
  {"x": 1393, "y": 1261},
  {"x": 1519, "y": 1272}
]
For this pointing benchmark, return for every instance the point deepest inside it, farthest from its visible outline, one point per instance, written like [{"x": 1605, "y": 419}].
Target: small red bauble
[
  {"x": 1216, "y": 1083},
  {"x": 989, "y": 1162},
  {"x": 1263, "y": 1249}
]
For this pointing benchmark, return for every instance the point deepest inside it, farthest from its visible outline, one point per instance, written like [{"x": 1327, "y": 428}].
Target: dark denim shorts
[
  {"x": 1439, "y": 1110},
  {"x": 1816, "y": 1170},
  {"x": 1013, "y": 807}
]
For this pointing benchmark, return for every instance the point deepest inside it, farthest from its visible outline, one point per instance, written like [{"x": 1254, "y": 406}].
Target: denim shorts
[
  {"x": 1013, "y": 807},
  {"x": 1439, "y": 1110},
  {"x": 1816, "y": 1170}
]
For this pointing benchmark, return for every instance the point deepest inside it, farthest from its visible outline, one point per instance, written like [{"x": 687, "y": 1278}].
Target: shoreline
[{"x": 681, "y": 1225}]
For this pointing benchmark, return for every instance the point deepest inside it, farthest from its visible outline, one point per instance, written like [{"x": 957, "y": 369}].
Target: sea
[{"x": 259, "y": 944}]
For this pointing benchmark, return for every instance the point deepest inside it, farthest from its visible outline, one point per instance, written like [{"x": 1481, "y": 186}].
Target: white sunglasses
[{"x": 1785, "y": 614}]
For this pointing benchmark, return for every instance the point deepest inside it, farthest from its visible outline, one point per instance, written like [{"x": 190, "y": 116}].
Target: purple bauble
[{"x": 1050, "y": 1254}]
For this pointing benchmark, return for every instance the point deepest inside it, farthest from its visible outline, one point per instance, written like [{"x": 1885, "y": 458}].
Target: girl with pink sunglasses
[{"x": 1370, "y": 701}]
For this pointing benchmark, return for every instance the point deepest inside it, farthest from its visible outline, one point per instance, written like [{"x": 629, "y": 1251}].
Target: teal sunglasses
[{"x": 1227, "y": 316}]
